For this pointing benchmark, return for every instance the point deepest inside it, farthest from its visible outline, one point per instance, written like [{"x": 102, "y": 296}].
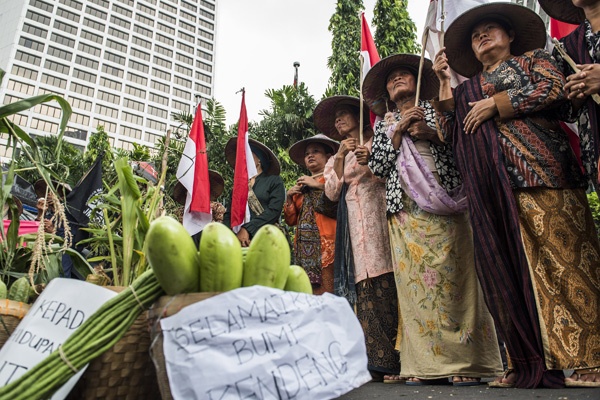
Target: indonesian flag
[
  {"x": 369, "y": 53},
  {"x": 193, "y": 175},
  {"x": 434, "y": 30},
  {"x": 244, "y": 170},
  {"x": 558, "y": 30}
]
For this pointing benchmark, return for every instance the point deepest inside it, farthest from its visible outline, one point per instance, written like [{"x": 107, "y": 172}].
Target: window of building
[
  {"x": 135, "y": 91},
  {"x": 28, "y": 58},
  {"x": 93, "y": 24},
  {"x": 202, "y": 89},
  {"x": 186, "y": 26},
  {"x": 168, "y": 29},
  {"x": 168, "y": 18},
  {"x": 189, "y": 6},
  {"x": 165, "y": 6},
  {"x": 62, "y": 54},
  {"x": 109, "y": 97},
  {"x": 207, "y": 5},
  {"x": 159, "y": 99},
  {"x": 109, "y": 83},
  {"x": 124, "y": 36},
  {"x": 185, "y": 47},
  {"x": 204, "y": 78},
  {"x": 131, "y": 132},
  {"x": 86, "y": 76},
  {"x": 72, "y": 3},
  {"x": 128, "y": 2},
  {"x": 205, "y": 34},
  {"x": 80, "y": 104},
  {"x": 163, "y": 50},
  {"x": 133, "y": 118},
  {"x": 205, "y": 55},
  {"x": 86, "y": 48},
  {"x": 54, "y": 81},
  {"x": 20, "y": 87},
  {"x": 79, "y": 119},
  {"x": 112, "y": 70},
  {"x": 183, "y": 70},
  {"x": 144, "y": 20},
  {"x": 146, "y": 9},
  {"x": 139, "y": 54},
  {"x": 134, "y": 105},
  {"x": 119, "y": 46},
  {"x": 107, "y": 111},
  {"x": 61, "y": 12},
  {"x": 120, "y": 21},
  {"x": 109, "y": 127},
  {"x": 65, "y": 41},
  {"x": 206, "y": 14},
  {"x": 82, "y": 89},
  {"x": 142, "y": 31},
  {"x": 153, "y": 138},
  {"x": 164, "y": 39},
  {"x": 101, "y": 3},
  {"x": 139, "y": 66},
  {"x": 158, "y": 112},
  {"x": 76, "y": 134},
  {"x": 162, "y": 62},
  {"x": 44, "y": 126},
  {"x": 156, "y": 125},
  {"x": 185, "y": 59},
  {"x": 206, "y": 24},
  {"x": 185, "y": 36},
  {"x": 91, "y": 37},
  {"x": 24, "y": 72},
  {"x": 53, "y": 91},
  {"x": 161, "y": 74},
  {"x": 141, "y": 42},
  {"x": 122, "y": 10},
  {"x": 114, "y": 58},
  {"x": 34, "y": 30},
  {"x": 161, "y": 86},
  {"x": 183, "y": 82},
  {"x": 42, "y": 5},
  {"x": 50, "y": 111},
  {"x": 96, "y": 13},
  {"x": 37, "y": 17},
  {"x": 137, "y": 79},
  {"x": 181, "y": 106},
  {"x": 204, "y": 66},
  {"x": 182, "y": 93},
  {"x": 31, "y": 44},
  {"x": 86, "y": 62},
  {"x": 205, "y": 45},
  {"x": 61, "y": 26}
]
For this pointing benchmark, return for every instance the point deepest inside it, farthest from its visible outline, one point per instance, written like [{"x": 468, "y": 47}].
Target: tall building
[{"x": 127, "y": 65}]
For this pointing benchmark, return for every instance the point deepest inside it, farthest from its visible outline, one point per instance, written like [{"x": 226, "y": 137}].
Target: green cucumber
[
  {"x": 298, "y": 281},
  {"x": 268, "y": 259},
  {"x": 221, "y": 264}
]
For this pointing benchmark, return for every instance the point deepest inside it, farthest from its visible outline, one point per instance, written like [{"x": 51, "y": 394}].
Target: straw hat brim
[
  {"x": 299, "y": 148},
  {"x": 217, "y": 185},
  {"x": 231, "y": 150},
  {"x": 374, "y": 86},
  {"x": 324, "y": 114},
  {"x": 563, "y": 10},
  {"x": 530, "y": 33},
  {"x": 40, "y": 186}
]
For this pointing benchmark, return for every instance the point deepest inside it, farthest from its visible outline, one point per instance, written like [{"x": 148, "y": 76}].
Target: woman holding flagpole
[
  {"x": 582, "y": 69},
  {"x": 536, "y": 249},
  {"x": 266, "y": 191},
  {"x": 445, "y": 329},
  {"x": 363, "y": 265}
]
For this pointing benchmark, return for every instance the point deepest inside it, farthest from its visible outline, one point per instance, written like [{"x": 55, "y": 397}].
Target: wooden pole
[
  {"x": 569, "y": 60},
  {"x": 361, "y": 117},
  {"x": 421, "y": 61}
]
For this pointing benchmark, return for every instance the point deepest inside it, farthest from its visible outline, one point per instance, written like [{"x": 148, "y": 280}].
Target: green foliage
[
  {"x": 595, "y": 207},
  {"x": 395, "y": 31},
  {"x": 344, "y": 61}
]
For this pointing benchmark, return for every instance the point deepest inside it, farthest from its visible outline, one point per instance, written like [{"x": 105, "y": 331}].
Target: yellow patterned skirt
[{"x": 563, "y": 252}]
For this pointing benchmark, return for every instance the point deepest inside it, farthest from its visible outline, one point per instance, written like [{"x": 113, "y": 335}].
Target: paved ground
[{"x": 399, "y": 391}]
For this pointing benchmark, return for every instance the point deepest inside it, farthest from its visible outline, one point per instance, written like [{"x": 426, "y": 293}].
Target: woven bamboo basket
[
  {"x": 165, "y": 307},
  {"x": 123, "y": 372},
  {"x": 11, "y": 313}
]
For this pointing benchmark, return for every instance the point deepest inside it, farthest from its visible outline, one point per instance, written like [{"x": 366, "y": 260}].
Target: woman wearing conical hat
[
  {"x": 307, "y": 208},
  {"x": 535, "y": 241}
]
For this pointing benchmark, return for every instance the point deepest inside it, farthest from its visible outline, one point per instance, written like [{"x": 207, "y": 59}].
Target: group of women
[{"x": 461, "y": 220}]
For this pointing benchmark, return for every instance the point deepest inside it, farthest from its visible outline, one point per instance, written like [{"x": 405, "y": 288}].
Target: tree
[
  {"x": 344, "y": 62},
  {"x": 395, "y": 30},
  {"x": 99, "y": 144}
]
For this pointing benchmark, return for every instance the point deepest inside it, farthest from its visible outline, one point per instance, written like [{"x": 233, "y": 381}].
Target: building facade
[{"x": 127, "y": 65}]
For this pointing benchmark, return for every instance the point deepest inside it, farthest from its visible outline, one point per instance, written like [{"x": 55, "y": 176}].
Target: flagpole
[
  {"x": 421, "y": 62},
  {"x": 442, "y": 31},
  {"x": 361, "y": 118}
]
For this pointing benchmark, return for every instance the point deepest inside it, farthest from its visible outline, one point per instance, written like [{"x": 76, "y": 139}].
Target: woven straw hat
[
  {"x": 62, "y": 189},
  {"x": 231, "y": 150},
  {"x": 324, "y": 114},
  {"x": 530, "y": 33},
  {"x": 297, "y": 150},
  {"x": 217, "y": 185},
  {"x": 563, "y": 10},
  {"x": 374, "y": 86}
]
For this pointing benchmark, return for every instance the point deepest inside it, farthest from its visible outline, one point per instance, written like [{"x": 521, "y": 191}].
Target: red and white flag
[
  {"x": 369, "y": 53},
  {"x": 245, "y": 168},
  {"x": 192, "y": 172},
  {"x": 445, "y": 11}
]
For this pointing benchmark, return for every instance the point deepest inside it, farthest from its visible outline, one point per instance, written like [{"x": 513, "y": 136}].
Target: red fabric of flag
[{"x": 369, "y": 54}]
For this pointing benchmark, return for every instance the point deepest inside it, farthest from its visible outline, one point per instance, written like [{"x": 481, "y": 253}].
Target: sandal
[
  {"x": 499, "y": 384},
  {"x": 577, "y": 382},
  {"x": 461, "y": 382},
  {"x": 424, "y": 382},
  {"x": 393, "y": 379}
]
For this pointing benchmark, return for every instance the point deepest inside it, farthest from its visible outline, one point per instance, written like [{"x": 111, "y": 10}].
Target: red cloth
[
  {"x": 369, "y": 53},
  {"x": 25, "y": 227}
]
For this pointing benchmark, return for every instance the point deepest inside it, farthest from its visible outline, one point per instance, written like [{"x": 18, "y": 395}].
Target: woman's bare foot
[
  {"x": 507, "y": 380},
  {"x": 393, "y": 379},
  {"x": 586, "y": 379},
  {"x": 465, "y": 381}
]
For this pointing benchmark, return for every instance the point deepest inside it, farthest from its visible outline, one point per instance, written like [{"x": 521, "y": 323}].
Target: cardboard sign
[
  {"x": 61, "y": 308},
  {"x": 263, "y": 343}
]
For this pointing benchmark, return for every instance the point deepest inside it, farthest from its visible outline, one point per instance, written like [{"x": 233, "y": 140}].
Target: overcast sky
[{"x": 258, "y": 42}]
